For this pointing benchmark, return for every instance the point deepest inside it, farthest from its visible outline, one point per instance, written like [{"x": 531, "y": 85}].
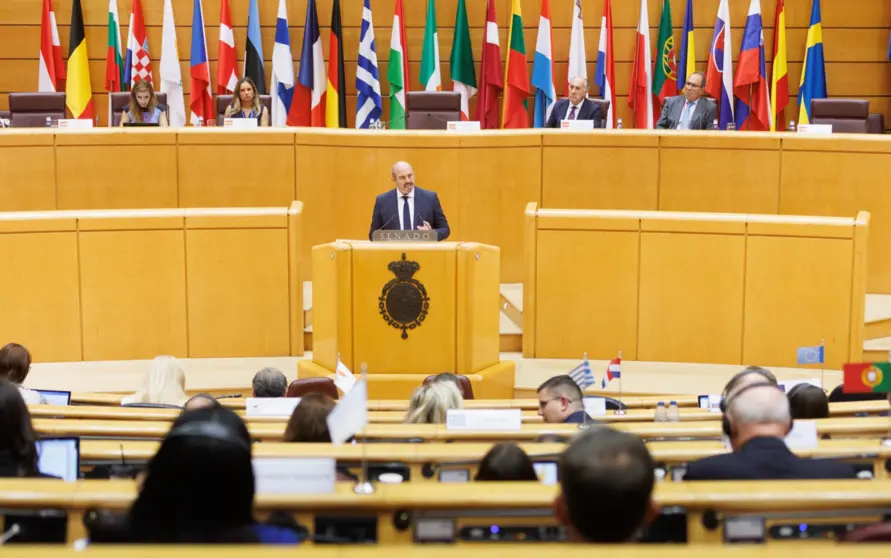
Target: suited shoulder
[
  {"x": 833, "y": 469},
  {"x": 710, "y": 467}
]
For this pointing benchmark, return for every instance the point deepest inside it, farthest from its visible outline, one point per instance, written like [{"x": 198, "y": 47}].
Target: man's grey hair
[
  {"x": 760, "y": 405},
  {"x": 269, "y": 382},
  {"x": 583, "y": 78}
]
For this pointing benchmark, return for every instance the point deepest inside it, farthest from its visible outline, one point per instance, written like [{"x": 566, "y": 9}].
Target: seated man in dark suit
[
  {"x": 690, "y": 111},
  {"x": 606, "y": 487},
  {"x": 757, "y": 419},
  {"x": 560, "y": 401},
  {"x": 408, "y": 207},
  {"x": 576, "y": 107}
]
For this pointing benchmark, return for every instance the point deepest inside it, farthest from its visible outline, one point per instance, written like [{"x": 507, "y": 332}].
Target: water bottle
[
  {"x": 619, "y": 124},
  {"x": 660, "y": 412},
  {"x": 96, "y": 123},
  {"x": 673, "y": 415},
  {"x": 49, "y": 122},
  {"x": 715, "y": 124},
  {"x": 731, "y": 126},
  {"x": 200, "y": 122},
  {"x": 792, "y": 126}
]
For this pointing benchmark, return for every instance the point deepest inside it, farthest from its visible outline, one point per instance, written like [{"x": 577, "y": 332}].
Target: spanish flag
[
  {"x": 79, "y": 95},
  {"x": 516, "y": 74},
  {"x": 813, "y": 74},
  {"x": 779, "y": 88}
]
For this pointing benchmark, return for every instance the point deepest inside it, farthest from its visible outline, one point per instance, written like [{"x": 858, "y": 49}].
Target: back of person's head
[
  {"x": 429, "y": 404},
  {"x": 749, "y": 375},
  {"x": 15, "y": 363},
  {"x": 270, "y": 382},
  {"x": 201, "y": 401},
  {"x": 606, "y": 481},
  {"x": 506, "y": 462},
  {"x": 16, "y": 432},
  {"x": 199, "y": 487},
  {"x": 309, "y": 421},
  {"x": 756, "y": 410},
  {"x": 807, "y": 401},
  {"x": 164, "y": 384}
]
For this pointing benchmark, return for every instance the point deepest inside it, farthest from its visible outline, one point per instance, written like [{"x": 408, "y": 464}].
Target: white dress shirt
[
  {"x": 686, "y": 119},
  {"x": 411, "y": 208}
]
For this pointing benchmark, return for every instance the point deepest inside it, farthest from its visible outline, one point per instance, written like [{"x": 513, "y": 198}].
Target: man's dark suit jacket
[
  {"x": 588, "y": 111},
  {"x": 427, "y": 207},
  {"x": 578, "y": 417},
  {"x": 766, "y": 459},
  {"x": 703, "y": 117}
]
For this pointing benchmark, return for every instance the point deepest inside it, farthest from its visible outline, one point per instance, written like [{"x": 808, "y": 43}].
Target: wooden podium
[{"x": 408, "y": 310}]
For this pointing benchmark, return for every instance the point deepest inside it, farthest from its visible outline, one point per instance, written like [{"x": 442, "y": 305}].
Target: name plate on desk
[
  {"x": 404, "y": 236},
  {"x": 463, "y": 126},
  {"x": 576, "y": 124},
  {"x": 294, "y": 475},
  {"x": 239, "y": 123},
  {"x": 595, "y": 406},
  {"x": 803, "y": 435},
  {"x": 75, "y": 123},
  {"x": 502, "y": 420},
  {"x": 815, "y": 129},
  {"x": 270, "y": 406}
]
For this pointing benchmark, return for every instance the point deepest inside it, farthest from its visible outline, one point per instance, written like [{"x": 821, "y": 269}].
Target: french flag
[
  {"x": 605, "y": 76},
  {"x": 308, "y": 107},
  {"x": 614, "y": 370},
  {"x": 282, "y": 69},
  {"x": 719, "y": 76},
  {"x": 543, "y": 69},
  {"x": 200, "y": 99},
  {"x": 750, "y": 87}
]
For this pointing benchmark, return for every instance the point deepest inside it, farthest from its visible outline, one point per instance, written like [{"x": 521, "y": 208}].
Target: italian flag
[
  {"x": 431, "y": 79},
  {"x": 665, "y": 80},
  {"x": 397, "y": 69},
  {"x": 463, "y": 74},
  {"x": 516, "y": 74},
  {"x": 114, "y": 60}
]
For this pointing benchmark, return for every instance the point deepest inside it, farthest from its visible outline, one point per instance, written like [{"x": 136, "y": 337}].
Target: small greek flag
[{"x": 582, "y": 375}]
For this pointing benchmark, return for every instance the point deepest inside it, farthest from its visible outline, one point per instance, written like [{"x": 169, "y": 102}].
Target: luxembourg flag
[
  {"x": 308, "y": 108},
  {"x": 719, "y": 76},
  {"x": 282, "y": 69},
  {"x": 543, "y": 69},
  {"x": 614, "y": 370},
  {"x": 200, "y": 98},
  {"x": 605, "y": 77}
]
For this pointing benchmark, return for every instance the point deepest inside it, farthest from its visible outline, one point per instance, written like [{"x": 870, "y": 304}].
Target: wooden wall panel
[{"x": 27, "y": 172}]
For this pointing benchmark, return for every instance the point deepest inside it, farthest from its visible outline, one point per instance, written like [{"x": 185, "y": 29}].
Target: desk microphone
[
  {"x": 12, "y": 532},
  {"x": 390, "y": 220}
]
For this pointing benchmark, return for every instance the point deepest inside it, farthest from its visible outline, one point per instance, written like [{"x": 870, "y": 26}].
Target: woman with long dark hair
[{"x": 18, "y": 452}]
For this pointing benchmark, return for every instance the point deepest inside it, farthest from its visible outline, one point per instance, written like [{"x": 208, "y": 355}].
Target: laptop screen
[
  {"x": 55, "y": 397},
  {"x": 59, "y": 457}
]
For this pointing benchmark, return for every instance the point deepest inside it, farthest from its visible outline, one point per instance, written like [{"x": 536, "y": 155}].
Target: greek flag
[
  {"x": 368, "y": 85},
  {"x": 282, "y": 69},
  {"x": 582, "y": 375}
]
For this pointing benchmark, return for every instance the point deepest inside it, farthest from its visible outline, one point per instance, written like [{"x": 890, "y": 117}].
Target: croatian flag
[
  {"x": 282, "y": 69},
  {"x": 719, "y": 77},
  {"x": 605, "y": 76},
  {"x": 200, "y": 99},
  {"x": 614, "y": 370},
  {"x": 308, "y": 108},
  {"x": 543, "y": 69},
  {"x": 138, "y": 66},
  {"x": 750, "y": 87}
]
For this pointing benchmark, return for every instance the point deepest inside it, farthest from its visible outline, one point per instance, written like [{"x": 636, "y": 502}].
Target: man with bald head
[
  {"x": 757, "y": 420},
  {"x": 408, "y": 207},
  {"x": 576, "y": 107}
]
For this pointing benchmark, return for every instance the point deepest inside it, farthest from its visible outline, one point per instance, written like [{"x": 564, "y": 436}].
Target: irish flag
[
  {"x": 431, "y": 79},
  {"x": 463, "y": 73},
  {"x": 516, "y": 74},
  {"x": 397, "y": 69}
]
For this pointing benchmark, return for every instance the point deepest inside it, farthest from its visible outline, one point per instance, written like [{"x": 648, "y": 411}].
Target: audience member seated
[
  {"x": 246, "y": 104},
  {"x": 560, "y": 401},
  {"x": 506, "y": 462},
  {"x": 807, "y": 401},
  {"x": 15, "y": 363},
  {"x": 164, "y": 384},
  {"x": 198, "y": 488},
  {"x": 429, "y": 404},
  {"x": 18, "y": 453},
  {"x": 606, "y": 487},
  {"x": 144, "y": 107},
  {"x": 749, "y": 375},
  {"x": 269, "y": 382},
  {"x": 757, "y": 419},
  {"x": 201, "y": 401},
  {"x": 309, "y": 421},
  {"x": 463, "y": 383}
]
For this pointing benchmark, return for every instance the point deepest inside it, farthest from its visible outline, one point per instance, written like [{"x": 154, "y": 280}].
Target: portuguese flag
[
  {"x": 867, "y": 377},
  {"x": 665, "y": 79}
]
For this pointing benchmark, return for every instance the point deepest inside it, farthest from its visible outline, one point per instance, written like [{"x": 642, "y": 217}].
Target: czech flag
[
  {"x": 751, "y": 86},
  {"x": 200, "y": 99}
]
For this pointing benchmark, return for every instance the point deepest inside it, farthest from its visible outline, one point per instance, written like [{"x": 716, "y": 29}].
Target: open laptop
[
  {"x": 59, "y": 457},
  {"x": 55, "y": 397}
]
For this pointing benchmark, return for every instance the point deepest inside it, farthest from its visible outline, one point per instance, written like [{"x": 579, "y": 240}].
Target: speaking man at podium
[{"x": 408, "y": 207}]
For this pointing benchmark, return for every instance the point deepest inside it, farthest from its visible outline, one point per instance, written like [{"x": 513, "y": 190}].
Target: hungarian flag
[
  {"x": 867, "y": 377},
  {"x": 640, "y": 96},
  {"x": 52, "y": 69},
  {"x": 139, "y": 63},
  {"x": 78, "y": 93},
  {"x": 227, "y": 77},
  {"x": 516, "y": 74},
  {"x": 114, "y": 58},
  {"x": 431, "y": 79},
  {"x": 397, "y": 69},
  {"x": 335, "y": 98},
  {"x": 491, "y": 79},
  {"x": 665, "y": 80},
  {"x": 463, "y": 73},
  {"x": 779, "y": 90}
]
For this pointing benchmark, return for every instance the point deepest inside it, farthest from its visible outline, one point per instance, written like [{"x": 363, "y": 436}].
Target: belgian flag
[
  {"x": 79, "y": 95},
  {"x": 335, "y": 102}
]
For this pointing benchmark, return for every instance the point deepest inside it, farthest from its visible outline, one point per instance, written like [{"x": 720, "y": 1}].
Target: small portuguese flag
[{"x": 867, "y": 377}]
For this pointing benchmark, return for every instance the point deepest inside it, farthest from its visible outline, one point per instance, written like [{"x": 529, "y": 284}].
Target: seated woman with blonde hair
[
  {"x": 144, "y": 107},
  {"x": 164, "y": 384},
  {"x": 429, "y": 404},
  {"x": 246, "y": 103}
]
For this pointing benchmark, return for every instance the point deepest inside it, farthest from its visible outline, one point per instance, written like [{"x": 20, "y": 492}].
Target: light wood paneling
[{"x": 477, "y": 308}]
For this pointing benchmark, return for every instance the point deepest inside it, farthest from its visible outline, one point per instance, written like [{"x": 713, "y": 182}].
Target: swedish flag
[{"x": 813, "y": 74}]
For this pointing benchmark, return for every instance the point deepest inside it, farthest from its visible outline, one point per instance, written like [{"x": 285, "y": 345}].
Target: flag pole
[
  {"x": 620, "y": 411},
  {"x": 364, "y": 487},
  {"x": 823, "y": 364},
  {"x": 751, "y": 96},
  {"x": 584, "y": 425}
]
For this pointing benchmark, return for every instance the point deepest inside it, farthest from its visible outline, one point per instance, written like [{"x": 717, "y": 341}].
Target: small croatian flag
[
  {"x": 810, "y": 355},
  {"x": 614, "y": 370}
]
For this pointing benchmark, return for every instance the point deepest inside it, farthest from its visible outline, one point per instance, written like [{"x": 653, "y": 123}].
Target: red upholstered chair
[
  {"x": 875, "y": 123},
  {"x": 463, "y": 383},
  {"x": 604, "y": 109},
  {"x": 121, "y": 102},
  {"x": 432, "y": 110},
  {"x": 847, "y": 116},
  {"x": 29, "y": 110},
  {"x": 301, "y": 387},
  {"x": 224, "y": 101},
  {"x": 880, "y": 532}
]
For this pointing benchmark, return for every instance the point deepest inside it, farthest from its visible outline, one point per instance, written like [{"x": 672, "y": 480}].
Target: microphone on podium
[{"x": 382, "y": 227}]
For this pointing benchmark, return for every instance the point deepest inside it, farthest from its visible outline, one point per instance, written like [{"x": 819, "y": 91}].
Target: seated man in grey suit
[
  {"x": 576, "y": 107},
  {"x": 689, "y": 111}
]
